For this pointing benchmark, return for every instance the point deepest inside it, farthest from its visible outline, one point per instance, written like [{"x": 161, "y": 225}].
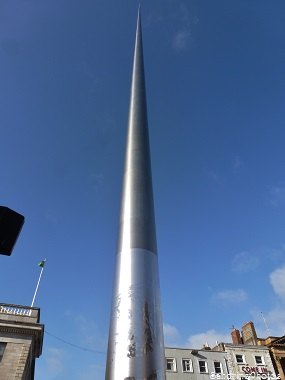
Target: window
[
  {"x": 170, "y": 364},
  {"x": 187, "y": 365},
  {"x": 259, "y": 360},
  {"x": 218, "y": 367},
  {"x": 203, "y": 366},
  {"x": 2, "y": 349},
  {"x": 240, "y": 359}
]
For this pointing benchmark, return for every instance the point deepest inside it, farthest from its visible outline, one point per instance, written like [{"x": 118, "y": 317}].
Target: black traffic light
[{"x": 11, "y": 224}]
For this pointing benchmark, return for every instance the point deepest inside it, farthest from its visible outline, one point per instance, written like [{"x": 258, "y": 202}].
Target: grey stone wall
[
  {"x": 22, "y": 335},
  {"x": 16, "y": 361}
]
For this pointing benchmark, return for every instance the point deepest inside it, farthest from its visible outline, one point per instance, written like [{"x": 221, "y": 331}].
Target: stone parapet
[{"x": 21, "y": 338}]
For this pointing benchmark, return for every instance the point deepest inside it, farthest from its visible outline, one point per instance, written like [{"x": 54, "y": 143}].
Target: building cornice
[{"x": 35, "y": 331}]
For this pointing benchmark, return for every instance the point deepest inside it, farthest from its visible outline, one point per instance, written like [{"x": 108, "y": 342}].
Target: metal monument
[{"x": 136, "y": 347}]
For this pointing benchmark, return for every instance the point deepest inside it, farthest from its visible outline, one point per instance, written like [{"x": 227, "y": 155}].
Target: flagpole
[
  {"x": 265, "y": 323},
  {"x": 38, "y": 284}
]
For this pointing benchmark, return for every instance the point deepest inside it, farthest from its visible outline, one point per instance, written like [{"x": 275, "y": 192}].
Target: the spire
[
  {"x": 137, "y": 223},
  {"x": 136, "y": 349}
]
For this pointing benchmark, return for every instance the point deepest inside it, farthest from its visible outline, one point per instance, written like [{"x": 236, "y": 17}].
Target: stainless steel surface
[
  {"x": 136, "y": 347},
  {"x": 137, "y": 224}
]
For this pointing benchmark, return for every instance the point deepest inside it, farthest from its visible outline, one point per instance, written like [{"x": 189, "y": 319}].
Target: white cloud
[
  {"x": 277, "y": 280},
  {"x": 211, "y": 337},
  {"x": 87, "y": 334},
  {"x": 277, "y": 196},
  {"x": 274, "y": 319},
  {"x": 172, "y": 338},
  {"x": 171, "y": 335},
  {"x": 181, "y": 40},
  {"x": 244, "y": 261},
  {"x": 275, "y": 255},
  {"x": 54, "y": 360},
  {"x": 55, "y": 364},
  {"x": 237, "y": 163},
  {"x": 186, "y": 16},
  {"x": 230, "y": 296}
]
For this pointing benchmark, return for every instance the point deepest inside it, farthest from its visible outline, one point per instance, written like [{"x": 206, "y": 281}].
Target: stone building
[
  {"x": 277, "y": 349},
  {"x": 21, "y": 340},
  {"x": 225, "y": 361},
  {"x": 245, "y": 360},
  {"x": 276, "y": 345},
  {"x": 191, "y": 364}
]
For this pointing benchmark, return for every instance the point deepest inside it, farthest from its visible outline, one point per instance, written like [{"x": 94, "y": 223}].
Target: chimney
[
  {"x": 206, "y": 346},
  {"x": 249, "y": 334},
  {"x": 236, "y": 338}
]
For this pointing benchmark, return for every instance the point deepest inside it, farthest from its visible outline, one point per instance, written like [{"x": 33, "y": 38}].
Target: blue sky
[{"x": 216, "y": 90}]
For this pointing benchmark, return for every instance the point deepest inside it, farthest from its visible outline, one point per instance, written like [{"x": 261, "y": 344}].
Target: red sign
[{"x": 254, "y": 369}]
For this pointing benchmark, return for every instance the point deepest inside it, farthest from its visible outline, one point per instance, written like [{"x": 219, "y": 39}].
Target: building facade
[
  {"x": 248, "y": 360},
  {"x": 225, "y": 361},
  {"x": 277, "y": 349},
  {"x": 276, "y": 345},
  {"x": 190, "y": 364},
  {"x": 21, "y": 340}
]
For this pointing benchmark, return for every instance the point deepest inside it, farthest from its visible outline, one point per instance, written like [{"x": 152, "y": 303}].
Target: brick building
[{"x": 276, "y": 345}]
